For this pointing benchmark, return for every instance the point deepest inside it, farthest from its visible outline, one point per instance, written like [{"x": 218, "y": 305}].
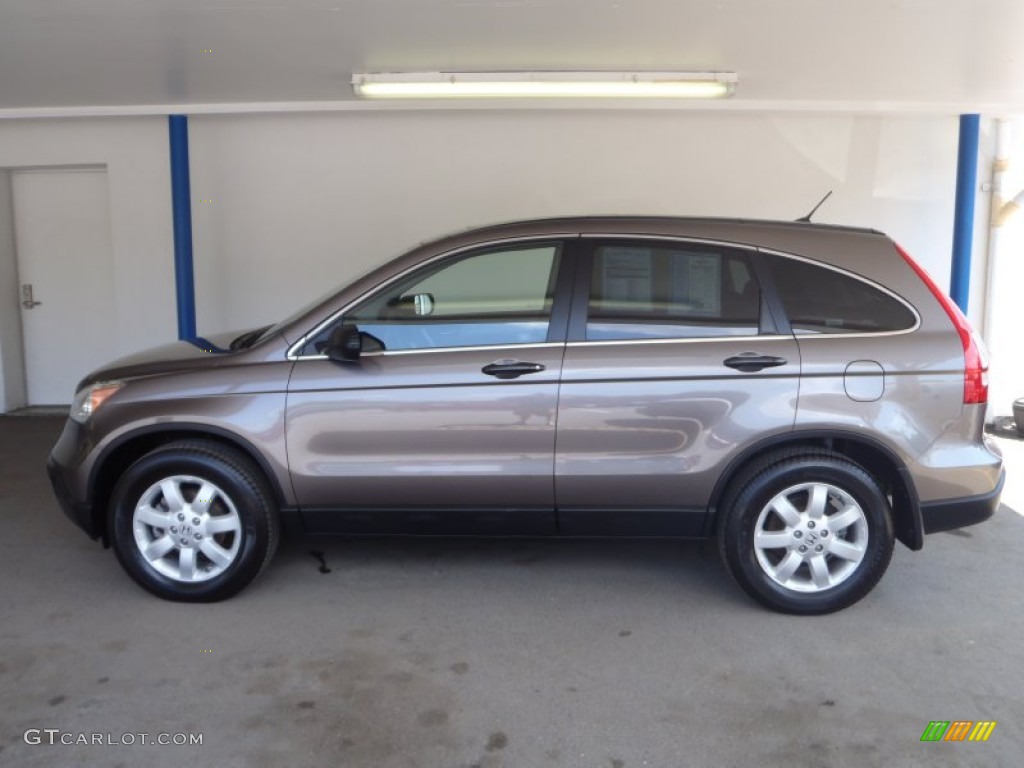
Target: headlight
[{"x": 89, "y": 399}]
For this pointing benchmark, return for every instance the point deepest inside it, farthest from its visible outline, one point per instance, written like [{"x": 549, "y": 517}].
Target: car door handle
[
  {"x": 511, "y": 369},
  {"x": 748, "y": 362}
]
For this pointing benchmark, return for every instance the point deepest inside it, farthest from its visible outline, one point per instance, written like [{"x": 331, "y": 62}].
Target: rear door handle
[
  {"x": 511, "y": 369},
  {"x": 748, "y": 362}
]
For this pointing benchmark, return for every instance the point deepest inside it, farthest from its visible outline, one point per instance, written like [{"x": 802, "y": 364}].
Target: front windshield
[
  {"x": 271, "y": 330},
  {"x": 309, "y": 306},
  {"x": 249, "y": 338}
]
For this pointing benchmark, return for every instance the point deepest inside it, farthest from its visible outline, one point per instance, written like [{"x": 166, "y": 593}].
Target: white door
[{"x": 65, "y": 271}]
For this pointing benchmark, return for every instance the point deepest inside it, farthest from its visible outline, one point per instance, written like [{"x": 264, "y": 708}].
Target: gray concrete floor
[{"x": 458, "y": 654}]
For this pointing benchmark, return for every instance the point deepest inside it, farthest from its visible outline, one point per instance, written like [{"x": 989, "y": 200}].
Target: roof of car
[
  {"x": 759, "y": 232},
  {"x": 590, "y": 223}
]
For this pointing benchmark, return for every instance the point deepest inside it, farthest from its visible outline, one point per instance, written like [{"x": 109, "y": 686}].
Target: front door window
[{"x": 497, "y": 297}]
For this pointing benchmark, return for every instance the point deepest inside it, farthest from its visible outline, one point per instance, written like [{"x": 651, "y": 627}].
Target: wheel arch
[
  {"x": 131, "y": 446},
  {"x": 874, "y": 456}
]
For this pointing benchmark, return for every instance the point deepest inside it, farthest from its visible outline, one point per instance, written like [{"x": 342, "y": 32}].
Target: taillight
[{"x": 975, "y": 356}]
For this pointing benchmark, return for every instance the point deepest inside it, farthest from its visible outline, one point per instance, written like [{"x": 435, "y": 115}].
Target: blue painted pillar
[
  {"x": 181, "y": 205},
  {"x": 963, "y": 218}
]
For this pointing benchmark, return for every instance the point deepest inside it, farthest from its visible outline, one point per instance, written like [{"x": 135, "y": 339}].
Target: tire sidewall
[
  {"x": 254, "y": 532},
  {"x": 747, "y": 507}
]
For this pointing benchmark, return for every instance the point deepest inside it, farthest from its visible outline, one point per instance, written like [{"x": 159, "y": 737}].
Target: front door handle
[
  {"x": 748, "y": 362},
  {"x": 511, "y": 369}
]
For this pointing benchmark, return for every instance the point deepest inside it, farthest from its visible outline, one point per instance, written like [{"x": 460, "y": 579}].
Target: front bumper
[
  {"x": 957, "y": 513},
  {"x": 79, "y": 512},
  {"x": 65, "y": 468}
]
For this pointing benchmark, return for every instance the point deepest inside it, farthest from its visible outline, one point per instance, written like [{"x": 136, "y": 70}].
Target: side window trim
[
  {"x": 569, "y": 266},
  {"x": 581, "y": 288},
  {"x": 774, "y": 319}
]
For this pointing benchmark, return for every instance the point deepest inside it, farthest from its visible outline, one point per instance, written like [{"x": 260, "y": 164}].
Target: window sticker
[
  {"x": 696, "y": 281},
  {"x": 627, "y": 276}
]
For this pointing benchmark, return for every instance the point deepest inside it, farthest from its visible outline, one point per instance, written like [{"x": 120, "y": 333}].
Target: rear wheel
[
  {"x": 193, "y": 521},
  {"x": 806, "y": 532}
]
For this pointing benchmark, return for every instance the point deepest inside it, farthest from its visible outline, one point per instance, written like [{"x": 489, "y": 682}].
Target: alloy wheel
[
  {"x": 811, "y": 537},
  {"x": 187, "y": 528}
]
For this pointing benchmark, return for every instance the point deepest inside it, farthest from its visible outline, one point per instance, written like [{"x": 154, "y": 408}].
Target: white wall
[
  {"x": 294, "y": 204},
  {"x": 287, "y": 206},
  {"x": 135, "y": 153},
  {"x": 1007, "y": 289}
]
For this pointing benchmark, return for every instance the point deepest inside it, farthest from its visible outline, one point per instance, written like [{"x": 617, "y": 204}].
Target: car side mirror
[
  {"x": 345, "y": 344},
  {"x": 421, "y": 304}
]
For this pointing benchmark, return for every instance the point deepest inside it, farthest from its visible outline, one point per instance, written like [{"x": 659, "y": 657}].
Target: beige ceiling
[{"x": 951, "y": 55}]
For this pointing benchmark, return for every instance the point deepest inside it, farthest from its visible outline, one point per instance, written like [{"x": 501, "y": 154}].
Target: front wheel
[
  {"x": 806, "y": 532},
  {"x": 193, "y": 521}
]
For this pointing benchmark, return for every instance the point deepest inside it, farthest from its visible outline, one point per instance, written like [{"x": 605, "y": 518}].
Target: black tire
[
  {"x": 782, "y": 475},
  {"x": 240, "y": 518}
]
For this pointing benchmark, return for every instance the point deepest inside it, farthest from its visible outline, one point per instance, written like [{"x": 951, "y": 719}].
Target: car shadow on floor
[{"x": 658, "y": 563}]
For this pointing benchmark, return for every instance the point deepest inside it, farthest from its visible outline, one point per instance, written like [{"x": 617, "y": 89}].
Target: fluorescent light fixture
[{"x": 502, "y": 85}]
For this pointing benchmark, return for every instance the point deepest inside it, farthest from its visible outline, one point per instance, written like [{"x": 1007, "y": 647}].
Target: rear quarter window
[{"x": 820, "y": 300}]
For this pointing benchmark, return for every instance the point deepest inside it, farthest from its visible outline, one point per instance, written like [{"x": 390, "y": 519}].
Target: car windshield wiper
[{"x": 248, "y": 338}]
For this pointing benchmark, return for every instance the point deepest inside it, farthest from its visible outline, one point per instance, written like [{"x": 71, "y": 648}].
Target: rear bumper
[{"x": 957, "y": 513}]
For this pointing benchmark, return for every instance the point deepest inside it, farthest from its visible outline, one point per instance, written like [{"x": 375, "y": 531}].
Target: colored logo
[{"x": 958, "y": 730}]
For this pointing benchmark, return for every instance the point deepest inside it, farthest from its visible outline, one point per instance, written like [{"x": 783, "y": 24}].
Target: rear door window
[
  {"x": 821, "y": 300},
  {"x": 669, "y": 291}
]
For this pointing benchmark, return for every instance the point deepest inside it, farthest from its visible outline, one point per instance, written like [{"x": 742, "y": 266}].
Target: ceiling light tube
[{"x": 598, "y": 85}]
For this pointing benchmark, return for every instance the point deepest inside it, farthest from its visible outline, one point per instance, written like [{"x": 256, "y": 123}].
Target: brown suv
[{"x": 804, "y": 393}]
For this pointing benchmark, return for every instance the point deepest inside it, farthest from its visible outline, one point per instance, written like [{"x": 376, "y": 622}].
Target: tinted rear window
[{"x": 821, "y": 300}]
